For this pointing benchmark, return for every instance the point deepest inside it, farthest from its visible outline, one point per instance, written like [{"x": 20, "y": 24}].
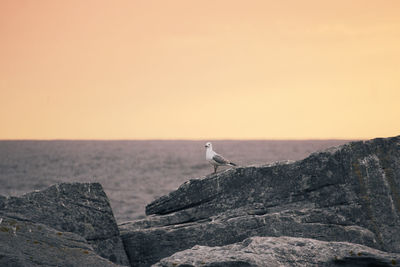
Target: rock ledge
[{"x": 347, "y": 194}]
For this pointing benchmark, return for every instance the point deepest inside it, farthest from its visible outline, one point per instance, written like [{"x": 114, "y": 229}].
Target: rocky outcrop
[
  {"x": 281, "y": 251},
  {"x": 25, "y": 243},
  {"x": 80, "y": 208},
  {"x": 349, "y": 194}
]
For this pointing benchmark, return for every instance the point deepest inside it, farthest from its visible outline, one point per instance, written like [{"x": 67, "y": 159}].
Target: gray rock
[
  {"x": 80, "y": 208},
  {"x": 281, "y": 251},
  {"x": 24, "y": 243},
  {"x": 348, "y": 193}
]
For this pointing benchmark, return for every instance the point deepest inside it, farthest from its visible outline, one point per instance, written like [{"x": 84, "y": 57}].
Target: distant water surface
[{"x": 133, "y": 173}]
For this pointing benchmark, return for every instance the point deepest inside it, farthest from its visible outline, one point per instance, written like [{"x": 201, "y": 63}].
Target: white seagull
[{"x": 216, "y": 159}]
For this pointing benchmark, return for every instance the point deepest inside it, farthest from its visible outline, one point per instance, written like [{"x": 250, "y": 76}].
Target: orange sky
[{"x": 199, "y": 69}]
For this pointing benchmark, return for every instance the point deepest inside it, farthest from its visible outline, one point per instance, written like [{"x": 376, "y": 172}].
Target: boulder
[
  {"x": 281, "y": 251},
  {"x": 348, "y": 194},
  {"x": 80, "y": 208},
  {"x": 25, "y": 243}
]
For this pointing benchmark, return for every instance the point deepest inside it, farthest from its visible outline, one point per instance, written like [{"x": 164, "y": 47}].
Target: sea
[{"x": 133, "y": 173}]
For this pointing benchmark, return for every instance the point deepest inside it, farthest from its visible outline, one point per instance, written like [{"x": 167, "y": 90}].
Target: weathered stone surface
[
  {"x": 281, "y": 251},
  {"x": 24, "y": 243},
  {"x": 81, "y": 208},
  {"x": 348, "y": 193}
]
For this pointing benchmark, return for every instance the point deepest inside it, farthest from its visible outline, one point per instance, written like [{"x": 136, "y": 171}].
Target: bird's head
[{"x": 208, "y": 145}]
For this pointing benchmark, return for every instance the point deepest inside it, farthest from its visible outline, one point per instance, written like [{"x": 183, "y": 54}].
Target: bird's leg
[{"x": 215, "y": 168}]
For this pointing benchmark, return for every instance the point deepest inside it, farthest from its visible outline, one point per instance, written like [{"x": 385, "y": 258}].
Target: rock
[
  {"x": 80, "y": 208},
  {"x": 25, "y": 243},
  {"x": 281, "y": 251},
  {"x": 348, "y": 193}
]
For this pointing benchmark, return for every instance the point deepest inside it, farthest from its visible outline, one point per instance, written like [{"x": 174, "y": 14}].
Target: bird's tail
[{"x": 232, "y": 164}]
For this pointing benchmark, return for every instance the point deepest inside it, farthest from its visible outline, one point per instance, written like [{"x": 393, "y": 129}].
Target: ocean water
[{"x": 133, "y": 173}]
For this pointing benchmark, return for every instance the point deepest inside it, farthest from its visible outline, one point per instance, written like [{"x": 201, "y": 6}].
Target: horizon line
[{"x": 192, "y": 139}]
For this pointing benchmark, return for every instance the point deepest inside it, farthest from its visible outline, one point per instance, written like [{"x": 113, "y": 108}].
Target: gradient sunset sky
[{"x": 220, "y": 69}]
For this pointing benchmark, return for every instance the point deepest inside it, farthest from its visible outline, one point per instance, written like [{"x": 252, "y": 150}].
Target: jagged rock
[
  {"x": 80, "y": 208},
  {"x": 281, "y": 251},
  {"x": 25, "y": 243},
  {"x": 348, "y": 193}
]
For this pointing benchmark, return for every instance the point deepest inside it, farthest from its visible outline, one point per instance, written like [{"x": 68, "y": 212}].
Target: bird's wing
[{"x": 220, "y": 159}]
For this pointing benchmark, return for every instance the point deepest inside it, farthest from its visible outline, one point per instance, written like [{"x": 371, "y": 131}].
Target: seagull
[{"x": 216, "y": 159}]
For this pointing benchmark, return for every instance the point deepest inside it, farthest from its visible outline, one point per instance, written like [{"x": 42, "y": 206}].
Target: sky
[{"x": 210, "y": 69}]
